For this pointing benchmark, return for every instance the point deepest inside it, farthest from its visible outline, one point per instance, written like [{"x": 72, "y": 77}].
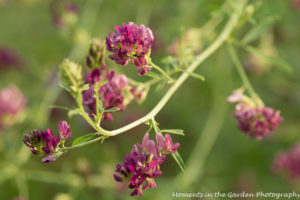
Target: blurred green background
[{"x": 218, "y": 156}]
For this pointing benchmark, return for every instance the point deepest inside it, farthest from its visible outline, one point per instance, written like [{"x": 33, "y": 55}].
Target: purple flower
[
  {"x": 33, "y": 140},
  {"x": 130, "y": 43},
  {"x": 110, "y": 93},
  {"x": 166, "y": 146},
  {"x": 140, "y": 168},
  {"x": 256, "y": 121},
  {"x": 288, "y": 162},
  {"x": 64, "y": 130},
  {"x": 43, "y": 140}
]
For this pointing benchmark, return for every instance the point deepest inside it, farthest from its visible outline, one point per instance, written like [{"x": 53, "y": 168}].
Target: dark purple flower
[
  {"x": 140, "y": 168},
  {"x": 256, "y": 121},
  {"x": 288, "y": 162},
  {"x": 33, "y": 140},
  {"x": 64, "y": 130},
  {"x": 43, "y": 140},
  {"x": 130, "y": 43}
]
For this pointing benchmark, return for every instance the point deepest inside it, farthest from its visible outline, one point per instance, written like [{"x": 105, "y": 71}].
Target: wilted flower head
[
  {"x": 9, "y": 58},
  {"x": 254, "y": 120},
  {"x": 288, "y": 162},
  {"x": 142, "y": 165},
  {"x": 12, "y": 106},
  {"x": 44, "y": 141},
  {"x": 131, "y": 43}
]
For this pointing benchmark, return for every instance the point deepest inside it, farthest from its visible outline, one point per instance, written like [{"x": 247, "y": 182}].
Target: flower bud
[
  {"x": 70, "y": 75},
  {"x": 96, "y": 54}
]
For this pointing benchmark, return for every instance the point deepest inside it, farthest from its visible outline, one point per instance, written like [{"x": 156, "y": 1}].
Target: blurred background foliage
[{"x": 218, "y": 156}]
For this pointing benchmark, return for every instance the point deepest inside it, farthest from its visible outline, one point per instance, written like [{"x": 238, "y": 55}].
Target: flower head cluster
[
  {"x": 255, "y": 121},
  {"x": 142, "y": 165},
  {"x": 113, "y": 91},
  {"x": 44, "y": 141},
  {"x": 288, "y": 162},
  {"x": 131, "y": 43},
  {"x": 12, "y": 106}
]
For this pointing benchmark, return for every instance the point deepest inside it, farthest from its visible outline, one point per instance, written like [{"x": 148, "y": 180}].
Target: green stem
[
  {"x": 160, "y": 70},
  {"x": 82, "y": 144},
  {"x": 243, "y": 75}
]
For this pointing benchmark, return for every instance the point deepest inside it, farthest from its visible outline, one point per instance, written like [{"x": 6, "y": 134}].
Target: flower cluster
[
  {"x": 131, "y": 43},
  {"x": 44, "y": 141},
  {"x": 288, "y": 162},
  {"x": 114, "y": 91},
  {"x": 142, "y": 165},
  {"x": 255, "y": 121},
  {"x": 12, "y": 106}
]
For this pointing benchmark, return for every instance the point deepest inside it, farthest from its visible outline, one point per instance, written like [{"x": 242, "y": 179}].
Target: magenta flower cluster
[
  {"x": 288, "y": 162},
  {"x": 44, "y": 141},
  {"x": 131, "y": 43},
  {"x": 142, "y": 165},
  {"x": 12, "y": 105},
  {"x": 256, "y": 122}
]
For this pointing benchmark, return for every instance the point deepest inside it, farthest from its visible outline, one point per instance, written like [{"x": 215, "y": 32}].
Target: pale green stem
[
  {"x": 243, "y": 75},
  {"x": 82, "y": 144},
  {"x": 161, "y": 71}
]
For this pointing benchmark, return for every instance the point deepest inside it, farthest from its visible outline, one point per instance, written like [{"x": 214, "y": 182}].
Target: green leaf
[
  {"x": 170, "y": 60},
  {"x": 83, "y": 138},
  {"x": 112, "y": 109},
  {"x": 64, "y": 86},
  {"x": 153, "y": 75},
  {"x": 60, "y": 107},
  {"x": 85, "y": 87},
  {"x": 100, "y": 105},
  {"x": 179, "y": 160},
  {"x": 174, "y": 131},
  {"x": 194, "y": 75},
  {"x": 258, "y": 29},
  {"x": 160, "y": 86},
  {"x": 277, "y": 61},
  {"x": 73, "y": 112}
]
